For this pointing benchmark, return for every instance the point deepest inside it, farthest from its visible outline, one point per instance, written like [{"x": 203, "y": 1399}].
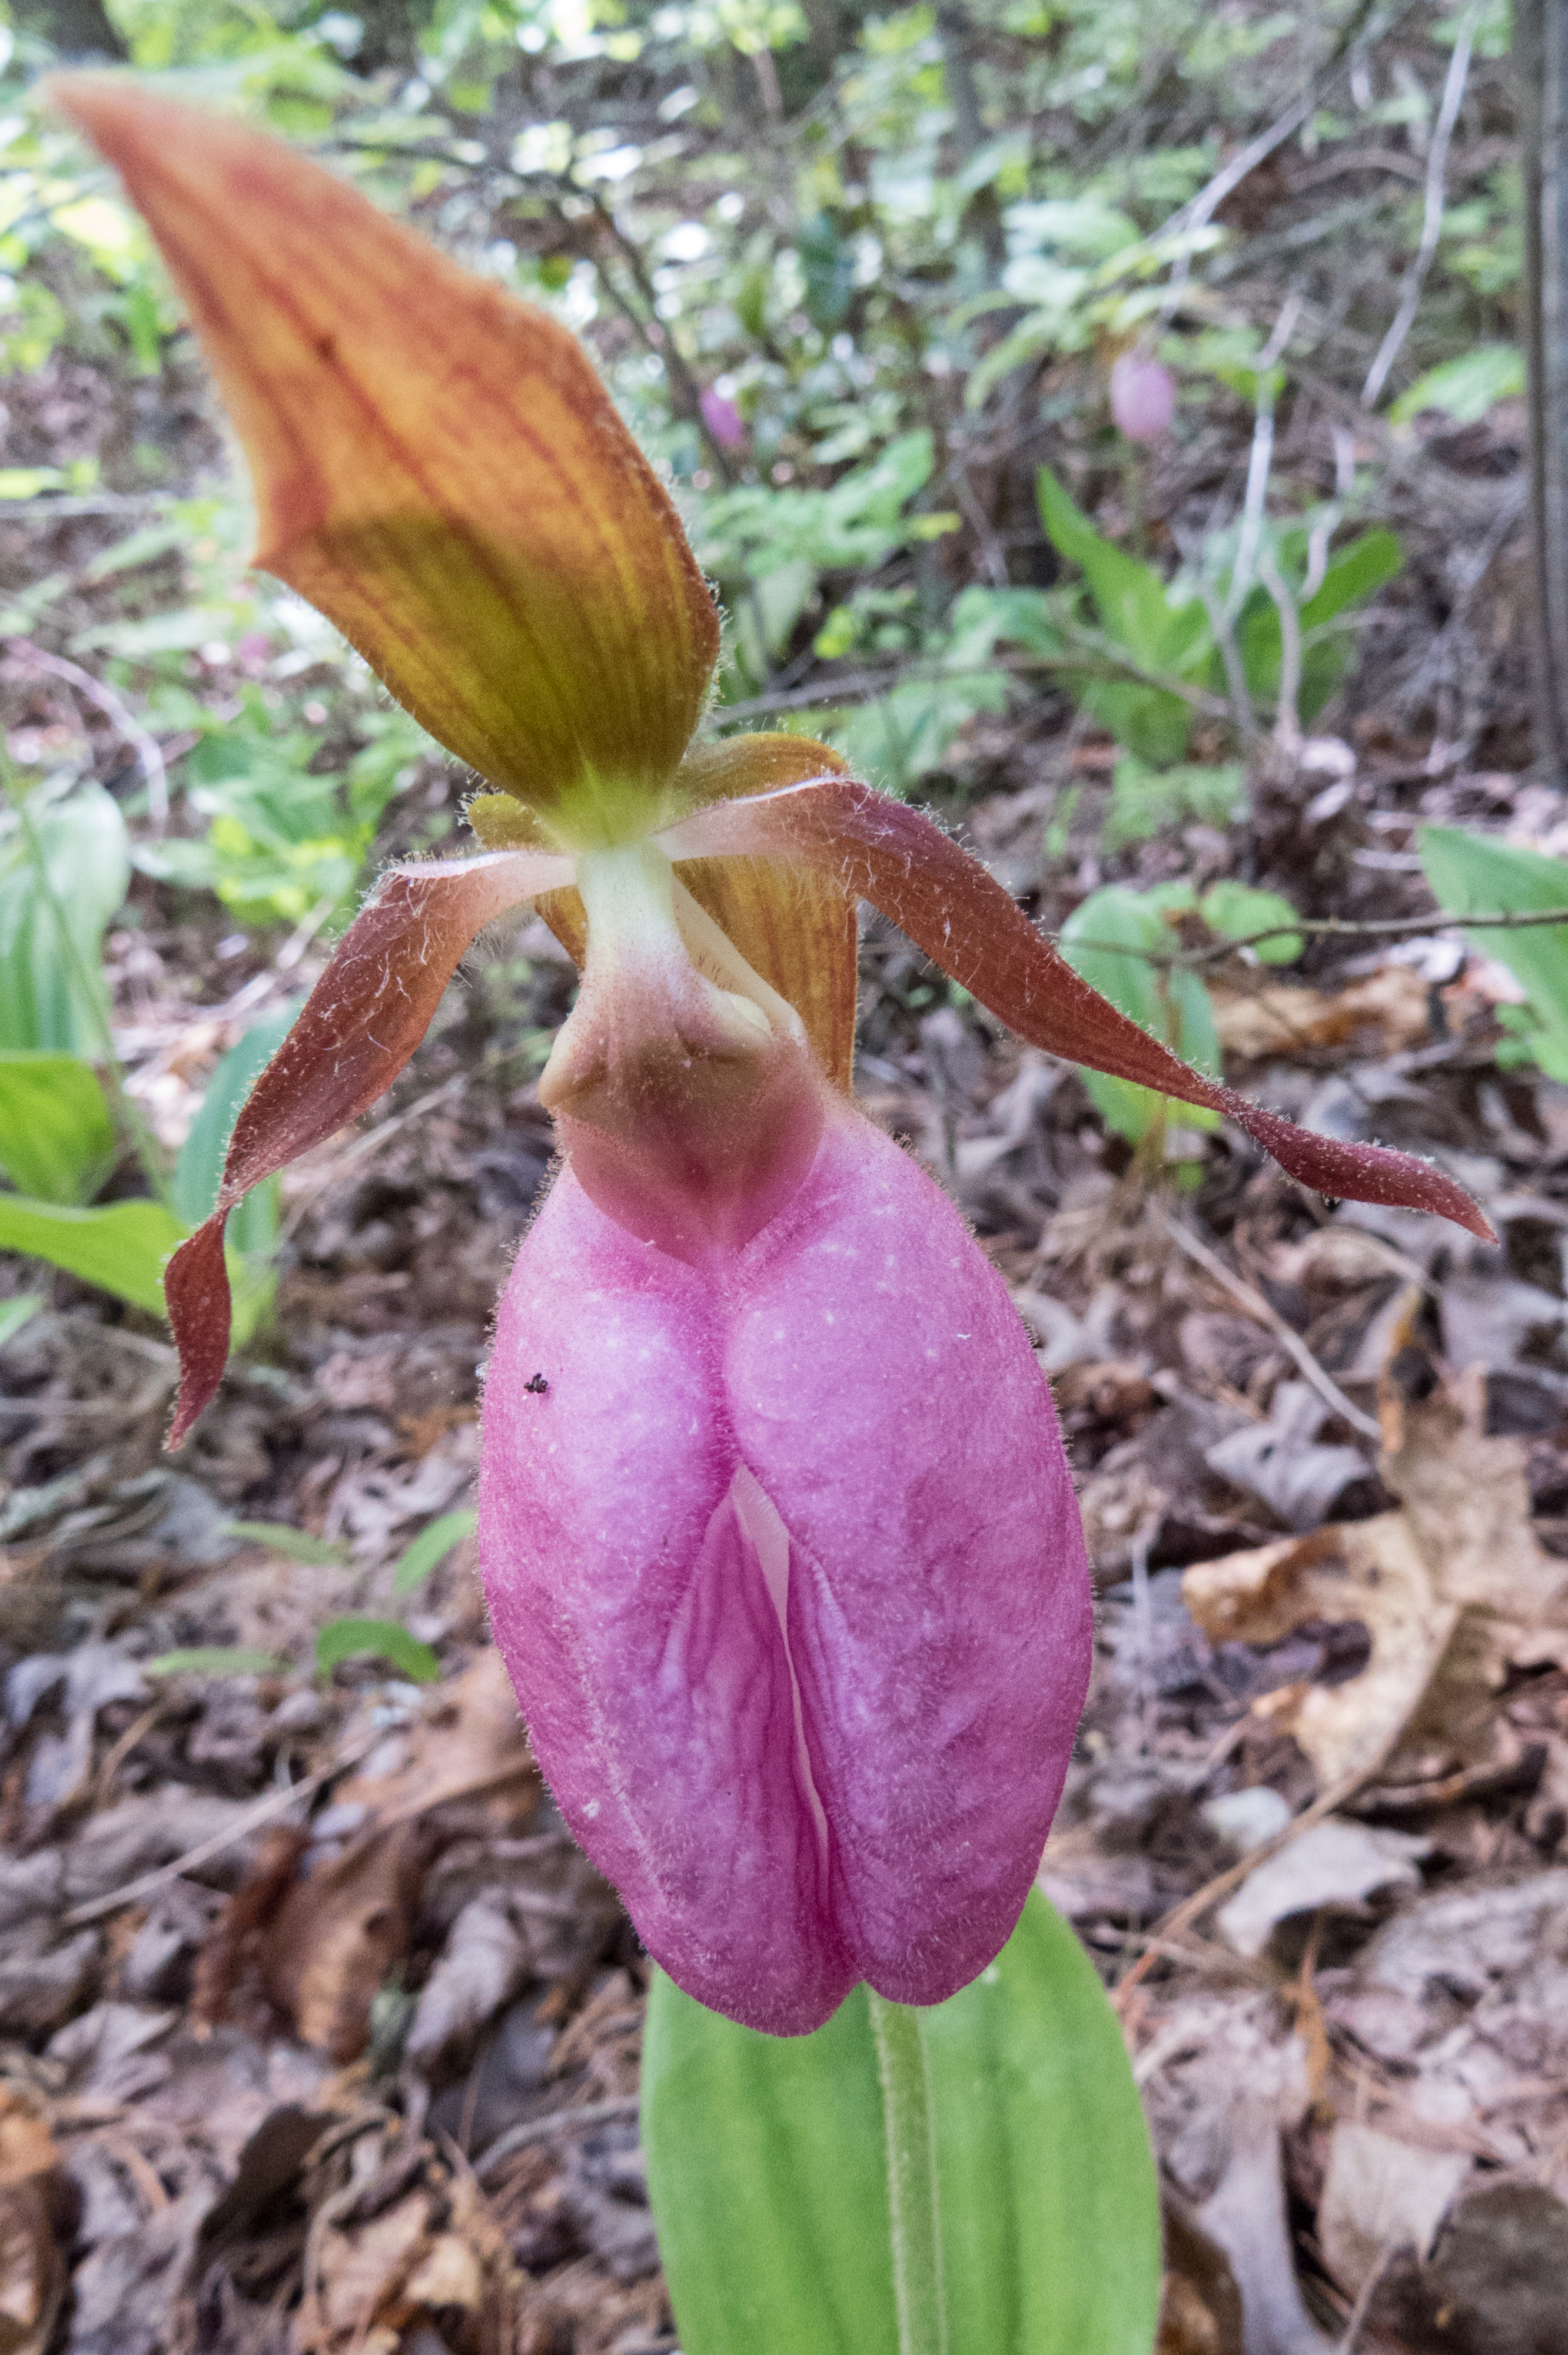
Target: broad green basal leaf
[
  {"x": 767, "y": 2169},
  {"x": 56, "y": 1133},
  {"x": 121, "y": 1247}
]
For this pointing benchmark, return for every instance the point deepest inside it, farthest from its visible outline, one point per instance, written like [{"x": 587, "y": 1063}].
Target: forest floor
[{"x": 316, "y": 2032}]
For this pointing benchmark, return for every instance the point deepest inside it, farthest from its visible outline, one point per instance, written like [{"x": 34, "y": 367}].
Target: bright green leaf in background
[
  {"x": 1135, "y": 611},
  {"x": 1466, "y": 388},
  {"x": 431, "y": 1546},
  {"x": 383, "y": 1639},
  {"x": 217, "y": 1660},
  {"x": 767, "y": 2169},
  {"x": 1145, "y": 801},
  {"x": 121, "y": 1247},
  {"x": 1236, "y": 912},
  {"x": 57, "y": 1133},
  {"x": 1109, "y": 939},
  {"x": 50, "y": 987},
  {"x": 1474, "y": 874}
]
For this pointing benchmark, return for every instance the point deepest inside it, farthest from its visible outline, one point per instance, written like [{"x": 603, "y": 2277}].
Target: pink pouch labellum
[{"x": 855, "y": 1390}]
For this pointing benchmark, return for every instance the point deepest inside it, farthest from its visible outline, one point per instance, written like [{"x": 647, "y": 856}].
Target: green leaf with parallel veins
[
  {"x": 767, "y": 2169},
  {"x": 121, "y": 1247},
  {"x": 56, "y": 1133},
  {"x": 51, "y": 989}
]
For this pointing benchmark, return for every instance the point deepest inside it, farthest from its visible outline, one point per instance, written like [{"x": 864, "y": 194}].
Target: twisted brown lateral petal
[
  {"x": 436, "y": 465},
  {"x": 355, "y": 1031},
  {"x": 963, "y": 917}
]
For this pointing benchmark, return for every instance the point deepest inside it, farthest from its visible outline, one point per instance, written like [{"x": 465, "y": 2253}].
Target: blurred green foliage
[{"x": 897, "y": 247}]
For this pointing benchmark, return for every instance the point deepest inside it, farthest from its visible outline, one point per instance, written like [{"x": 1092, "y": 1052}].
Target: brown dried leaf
[
  {"x": 1391, "y": 1004},
  {"x": 27, "y": 2146},
  {"x": 330, "y": 1943},
  {"x": 360, "y": 2273},
  {"x": 336, "y": 1938},
  {"x": 1452, "y": 1589},
  {"x": 32, "y": 2268},
  {"x": 32, "y": 2247}
]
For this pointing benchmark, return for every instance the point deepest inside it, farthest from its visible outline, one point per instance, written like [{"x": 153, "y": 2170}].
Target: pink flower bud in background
[
  {"x": 723, "y": 420},
  {"x": 1142, "y": 396}
]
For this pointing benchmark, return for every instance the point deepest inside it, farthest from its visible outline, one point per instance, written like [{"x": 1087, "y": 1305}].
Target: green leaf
[
  {"x": 1472, "y": 874},
  {"x": 198, "y": 1172},
  {"x": 1353, "y": 573},
  {"x": 767, "y": 2169},
  {"x": 216, "y": 1660},
  {"x": 1235, "y": 912},
  {"x": 1129, "y": 597},
  {"x": 19, "y": 1310},
  {"x": 1109, "y": 939},
  {"x": 432, "y": 1545},
  {"x": 348, "y": 1639},
  {"x": 50, "y": 990},
  {"x": 121, "y": 1248},
  {"x": 1466, "y": 388},
  {"x": 1133, "y": 608},
  {"x": 1145, "y": 801},
  {"x": 294, "y": 1545},
  {"x": 56, "y": 1133}
]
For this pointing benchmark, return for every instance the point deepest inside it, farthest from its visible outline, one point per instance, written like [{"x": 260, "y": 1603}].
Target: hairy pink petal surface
[{"x": 842, "y": 1434}]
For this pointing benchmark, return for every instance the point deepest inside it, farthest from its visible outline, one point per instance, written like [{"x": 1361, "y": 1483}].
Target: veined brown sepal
[
  {"x": 881, "y": 851},
  {"x": 436, "y": 465},
  {"x": 355, "y": 1032}
]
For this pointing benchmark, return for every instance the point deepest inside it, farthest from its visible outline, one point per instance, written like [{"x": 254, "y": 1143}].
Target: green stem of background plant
[{"x": 911, "y": 2179}]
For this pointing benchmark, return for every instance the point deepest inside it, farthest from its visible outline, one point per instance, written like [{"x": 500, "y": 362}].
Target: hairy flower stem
[{"x": 911, "y": 2177}]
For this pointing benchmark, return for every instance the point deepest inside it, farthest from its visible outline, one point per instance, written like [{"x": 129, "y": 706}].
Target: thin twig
[
  {"x": 101, "y": 503},
  {"x": 1192, "y": 1909},
  {"x": 148, "y": 750},
  {"x": 1388, "y": 351},
  {"x": 1288, "y": 709},
  {"x": 1338, "y": 928},
  {"x": 1368, "y": 2290},
  {"x": 556, "y": 2122},
  {"x": 1253, "y": 1301},
  {"x": 1090, "y": 655},
  {"x": 276, "y": 1802},
  {"x": 1199, "y": 210},
  {"x": 1261, "y": 459},
  {"x": 1327, "y": 522}
]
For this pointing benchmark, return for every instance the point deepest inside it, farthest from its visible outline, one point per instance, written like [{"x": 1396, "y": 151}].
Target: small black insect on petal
[{"x": 538, "y": 1386}]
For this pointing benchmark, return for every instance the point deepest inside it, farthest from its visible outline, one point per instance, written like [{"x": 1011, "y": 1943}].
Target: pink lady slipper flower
[
  {"x": 778, "y": 1540},
  {"x": 1142, "y": 396}
]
